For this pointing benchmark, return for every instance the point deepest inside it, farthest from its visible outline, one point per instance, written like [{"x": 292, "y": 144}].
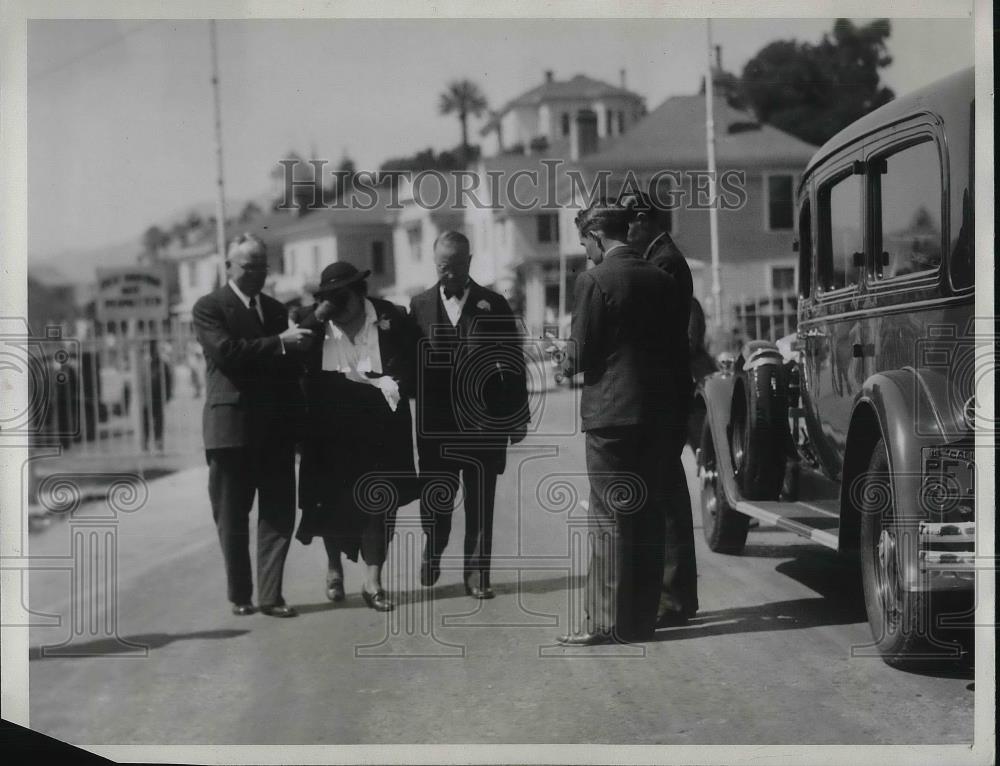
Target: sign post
[{"x": 132, "y": 292}]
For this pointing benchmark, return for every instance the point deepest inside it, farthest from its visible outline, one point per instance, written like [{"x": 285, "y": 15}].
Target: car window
[
  {"x": 842, "y": 233},
  {"x": 910, "y": 220}
]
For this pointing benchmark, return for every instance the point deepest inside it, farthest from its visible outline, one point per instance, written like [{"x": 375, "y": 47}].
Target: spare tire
[{"x": 758, "y": 430}]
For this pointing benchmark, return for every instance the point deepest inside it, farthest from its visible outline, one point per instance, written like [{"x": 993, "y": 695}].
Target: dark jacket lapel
[
  {"x": 239, "y": 315},
  {"x": 471, "y": 309}
]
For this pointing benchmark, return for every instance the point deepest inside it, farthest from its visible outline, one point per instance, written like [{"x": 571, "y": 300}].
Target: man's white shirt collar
[
  {"x": 453, "y": 306},
  {"x": 245, "y": 300}
]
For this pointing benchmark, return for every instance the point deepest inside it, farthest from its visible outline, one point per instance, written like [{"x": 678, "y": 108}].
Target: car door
[{"x": 831, "y": 331}]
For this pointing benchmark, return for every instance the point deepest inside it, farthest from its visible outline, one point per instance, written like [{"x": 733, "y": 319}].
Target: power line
[{"x": 113, "y": 41}]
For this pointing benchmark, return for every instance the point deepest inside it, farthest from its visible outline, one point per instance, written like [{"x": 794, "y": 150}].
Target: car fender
[
  {"x": 716, "y": 392},
  {"x": 897, "y": 407}
]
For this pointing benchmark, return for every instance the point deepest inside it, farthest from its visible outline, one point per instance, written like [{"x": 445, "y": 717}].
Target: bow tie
[{"x": 454, "y": 293}]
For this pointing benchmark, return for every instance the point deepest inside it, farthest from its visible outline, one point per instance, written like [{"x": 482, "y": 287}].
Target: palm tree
[{"x": 465, "y": 98}]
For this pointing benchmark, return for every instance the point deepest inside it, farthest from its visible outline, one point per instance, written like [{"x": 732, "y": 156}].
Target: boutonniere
[
  {"x": 484, "y": 305},
  {"x": 383, "y": 323}
]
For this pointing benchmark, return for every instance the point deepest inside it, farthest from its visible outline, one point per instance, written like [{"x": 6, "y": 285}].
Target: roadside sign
[{"x": 132, "y": 292}]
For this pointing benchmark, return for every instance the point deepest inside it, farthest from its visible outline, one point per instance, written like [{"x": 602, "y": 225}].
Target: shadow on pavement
[
  {"x": 794, "y": 614},
  {"x": 126, "y": 644},
  {"x": 450, "y": 591}
]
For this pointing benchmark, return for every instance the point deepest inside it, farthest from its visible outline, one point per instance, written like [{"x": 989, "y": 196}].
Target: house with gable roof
[{"x": 757, "y": 263}]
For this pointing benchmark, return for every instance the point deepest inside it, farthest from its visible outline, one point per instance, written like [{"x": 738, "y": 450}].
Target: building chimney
[
  {"x": 549, "y": 75},
  {"x": 583, "y": 134},
  {"x": 621, "y": 76}
]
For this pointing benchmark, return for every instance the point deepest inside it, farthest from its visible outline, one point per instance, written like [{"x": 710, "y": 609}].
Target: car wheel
[
  {"x": 899, "y": 619},
  {"x": 724, "y": 527},
  {"x": 758, "y": 438}
]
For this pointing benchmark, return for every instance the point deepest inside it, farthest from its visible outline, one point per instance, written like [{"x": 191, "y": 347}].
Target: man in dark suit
[
  {"x": 249, "y": 423},
  {"x": 647, "y": 233},
  {"x": 626, "y": 346},
  {"x": 472, "y": 401}
]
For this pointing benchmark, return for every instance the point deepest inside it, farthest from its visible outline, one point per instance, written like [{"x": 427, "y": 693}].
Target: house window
[
  {"x": 910, "y": 186},
  {"x": 548, "y": 227},
  {"x": 621, "y": 122},
  {"x": 565, "y": 123},
  {"x": 608, "y": 116},
  {"x": 378, "y": 258},
  {"x": 841, "y": 234},
  {"x": 780, "y": 205},
  {"x": 413, "y": 237},
  {"x": 782, "y": 279}
]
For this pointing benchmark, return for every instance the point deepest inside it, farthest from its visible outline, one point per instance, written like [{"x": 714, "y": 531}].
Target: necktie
[
  {"x": 457, "y": 294},
  {"x": 256, "y": 310}
]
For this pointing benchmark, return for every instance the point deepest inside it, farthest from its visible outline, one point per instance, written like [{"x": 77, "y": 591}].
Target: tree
[
  {"x": 154, "y": 239},
  {"x": 250, "y": 211},
  {"x": 427, "y": 159},
  {"x": 464, "y": 98},
  {"x": 814, "y": 91}
]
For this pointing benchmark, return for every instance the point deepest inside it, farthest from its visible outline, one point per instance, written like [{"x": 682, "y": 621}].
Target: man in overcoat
[{"x": 471, "y": 403}]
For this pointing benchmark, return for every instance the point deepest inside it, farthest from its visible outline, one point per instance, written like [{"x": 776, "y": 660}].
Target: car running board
[{"x": 817, "y": 520}]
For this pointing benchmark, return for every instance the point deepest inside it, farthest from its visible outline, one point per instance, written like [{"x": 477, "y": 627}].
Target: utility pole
[
  {"x": 713, "y": 213},
  {"x": 220, "y": 199}
]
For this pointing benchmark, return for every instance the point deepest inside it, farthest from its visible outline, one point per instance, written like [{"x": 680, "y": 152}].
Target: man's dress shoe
[
  {"x": 587, "y": 639},
  {"x": 672, "y": 618},
  {"x": 242, "y": 610},
  {"x": 282, "y": 610},
  {"x": 335, "y": 590},
  {"x": 379, "y": 601},
  {"x": 479, "y": 590},
  {"x": 430, "y": 571}
]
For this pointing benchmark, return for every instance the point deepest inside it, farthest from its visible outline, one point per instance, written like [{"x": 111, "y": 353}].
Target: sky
[{"x": 120, "y": 121}]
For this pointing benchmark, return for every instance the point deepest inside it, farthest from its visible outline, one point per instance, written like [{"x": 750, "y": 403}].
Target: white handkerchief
[{"x": 390, "y": 390}]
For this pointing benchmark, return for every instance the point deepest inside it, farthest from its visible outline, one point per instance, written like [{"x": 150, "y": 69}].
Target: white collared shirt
[
  {"x": 245, "y": 300},
  {"x": 453, "y": 306},
  {"x": 362, "y": 355}
]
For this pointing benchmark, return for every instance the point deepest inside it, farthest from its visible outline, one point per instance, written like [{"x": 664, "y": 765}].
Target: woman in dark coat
[{"x": 357, "y": 456}]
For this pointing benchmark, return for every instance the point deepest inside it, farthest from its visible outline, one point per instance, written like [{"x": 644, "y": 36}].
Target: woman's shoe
[
  {"x": 335, "y": 590},
  {"x": 379, "y": 602}
]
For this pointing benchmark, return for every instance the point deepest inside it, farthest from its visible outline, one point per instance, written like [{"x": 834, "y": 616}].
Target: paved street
[{"x": 767, "y": 660}]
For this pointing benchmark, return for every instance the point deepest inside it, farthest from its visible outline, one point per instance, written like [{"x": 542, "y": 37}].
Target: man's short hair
[
  {"x": 455, "y": 239},
  {"x": 637, "y": 201},
  {"x": 245, "y": 243},
  {"x": 605, "y": 215}
]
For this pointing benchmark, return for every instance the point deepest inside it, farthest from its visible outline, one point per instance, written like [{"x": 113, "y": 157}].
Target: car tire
[
  {"x": 724, "y": 527},
  {"x": 758, "y": 432},
  {"x": 899, "y": 619}
]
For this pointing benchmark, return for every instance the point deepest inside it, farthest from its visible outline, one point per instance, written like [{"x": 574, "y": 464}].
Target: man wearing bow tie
[
  {"x": 472, "y": 401},
  {"x": 252, "y": 401}
]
